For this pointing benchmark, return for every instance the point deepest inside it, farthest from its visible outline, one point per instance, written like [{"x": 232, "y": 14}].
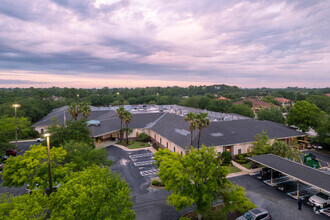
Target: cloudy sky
[{"x": 137, "y": 43}]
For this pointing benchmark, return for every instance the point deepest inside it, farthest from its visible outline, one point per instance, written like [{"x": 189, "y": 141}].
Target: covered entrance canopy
[{"x": 302, "y": 173}]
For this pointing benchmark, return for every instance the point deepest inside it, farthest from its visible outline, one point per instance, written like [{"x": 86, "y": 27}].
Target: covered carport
[{"x": 302, "y": 173}]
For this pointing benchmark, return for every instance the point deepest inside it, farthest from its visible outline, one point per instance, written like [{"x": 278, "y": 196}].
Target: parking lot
[{"x": 278, "y": 203}]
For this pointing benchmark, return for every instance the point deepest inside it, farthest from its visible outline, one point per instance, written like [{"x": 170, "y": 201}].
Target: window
[
  {"x": 42, "y": 130},
  {"x": 239, "y": 151},
  {"x": 160, "y": 140},
  {"x": 174, "y": 149},
  {"x": 166, "y": 144},
  {"x": 263, "y": 216},
  {"x": 155, "y": 137}
]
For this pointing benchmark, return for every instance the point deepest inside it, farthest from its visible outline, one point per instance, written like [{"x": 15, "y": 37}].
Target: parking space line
[
  {"x": 143, "y": 163},
  {"x": 141, "y": 155},
  {"x": 149, "y": 172}
]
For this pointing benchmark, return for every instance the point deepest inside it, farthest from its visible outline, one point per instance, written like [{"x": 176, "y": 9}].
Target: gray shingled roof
[
  {"x": 241, "y": 131},
  {"x": 174, "y": 128},
  {"x": 296, "y": 170},
  {"x": 138, "y": 121},
  {"x": 59, "y": 115}
]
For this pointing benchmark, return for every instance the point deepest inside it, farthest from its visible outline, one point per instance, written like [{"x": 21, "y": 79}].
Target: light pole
[
  {"x": 49, "y": 167},
  {"x": 15, "y": 107}
]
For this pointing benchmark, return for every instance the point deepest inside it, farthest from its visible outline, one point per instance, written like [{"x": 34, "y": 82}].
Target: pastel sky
[{"x": 138, "y": 43}]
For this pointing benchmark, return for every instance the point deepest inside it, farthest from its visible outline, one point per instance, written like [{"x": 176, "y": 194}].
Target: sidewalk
[{"x": 114, "y": 143}]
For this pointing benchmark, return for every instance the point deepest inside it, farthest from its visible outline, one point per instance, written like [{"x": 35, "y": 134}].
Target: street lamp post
[
  {"x": 49, "y": 166},
  {"x": 15, "y": 107}
]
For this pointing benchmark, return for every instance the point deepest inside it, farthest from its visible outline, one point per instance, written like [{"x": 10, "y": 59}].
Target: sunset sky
[{"x": 126, "y": 43}]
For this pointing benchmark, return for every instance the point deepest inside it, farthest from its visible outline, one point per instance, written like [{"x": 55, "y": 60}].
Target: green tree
[
  {"x": 321, "y": 101},
  {"x": 196, "y": 178},
  {"x": 305, "y": 115},
  {"x": 280, "y": 148},
  {"x": 84, "y": 109},
  {"x": 201, "y": 122},
  {"x": 261, "y": 144},
  {"x": 191, "y": 118},
  {"x": 32, "y": 167},
  {"x": 34, "y": 206},
  {"x": 219, "y": 105},
  {"x": 84, "y": 155},
  {"x": 7, "y": 127},
  {"x": 242, "y": 110},
  {"x": 323, "y": 133},
  {"x": 72, "y": 130},
  {"x": 127, "y": 118},
  {"x": 73, "y": 110},
  {"x": 120, "y": 114},
  {"x": 94, "y": 193},
  {"x": 271, "y": 114}
]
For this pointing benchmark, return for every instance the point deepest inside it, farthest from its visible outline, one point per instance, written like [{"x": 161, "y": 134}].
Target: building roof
[
  {"x": 303, "y": 173},
  {"x": 223, "y": 133},
  {"x": 255, "y": 103},
  {"x": 61, "y": 114},
  {"x": 283, "y": 100},
  {"x": 143, "y": 120},
  {"x": 223, "y": 98}
]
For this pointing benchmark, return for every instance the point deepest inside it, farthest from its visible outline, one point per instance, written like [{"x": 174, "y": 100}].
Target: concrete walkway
[{"x": 114, "y": 143}]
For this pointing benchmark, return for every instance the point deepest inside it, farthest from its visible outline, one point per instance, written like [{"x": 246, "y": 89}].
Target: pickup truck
[{"x": 320, "y": 200}]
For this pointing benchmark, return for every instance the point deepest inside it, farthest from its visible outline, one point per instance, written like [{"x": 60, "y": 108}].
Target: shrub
[
  {"x": 131, "y": 142},
  {"x": 240, "y": 157},
  {"x": 241, "y": 161},
  {"x": 143, "y": 137},
  {"x": 226, "y": 156},
  {"x": 185, "y": 218},
  {"x": 155, "y": 182}
]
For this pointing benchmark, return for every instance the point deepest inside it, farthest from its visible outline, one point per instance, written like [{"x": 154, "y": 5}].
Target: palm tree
[
  {"x": 127, "y": 118},
  {"x": 191, "y": 117},
  {"x": 120, "y": 114},
  {"x": 85, "y": 110},
  {"x": 73, "y": 110},
  {"x": 201, "y": 122}
]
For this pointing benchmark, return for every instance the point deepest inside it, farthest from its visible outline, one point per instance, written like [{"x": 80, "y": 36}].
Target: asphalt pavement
[
  {"x": 279, "y": 204},
  {"x": 323, "y": 159}
]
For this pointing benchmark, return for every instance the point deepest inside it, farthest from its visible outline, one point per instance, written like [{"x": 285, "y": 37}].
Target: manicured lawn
[
  {"x": 247, "y": 165},
  {"x": 233, "y": 169},
  {"x": 138, "y": 144}
]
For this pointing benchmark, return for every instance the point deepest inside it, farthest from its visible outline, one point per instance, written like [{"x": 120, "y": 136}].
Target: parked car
[
  {"x": 11, "y": 152},
  {"x": 320, "y": 200},
  {"x": 317, "y": 147},
  {"x": 2, "y": 161},
  {"x": 40, "y": 140},
  {"x": 266, "y": 174},
  {"x": 256, "y": 214}
]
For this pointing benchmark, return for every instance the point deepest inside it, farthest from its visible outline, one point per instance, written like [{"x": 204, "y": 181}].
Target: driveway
[
  {"x": 137, "y": 169},
  {"x": 280, "y": 205}
]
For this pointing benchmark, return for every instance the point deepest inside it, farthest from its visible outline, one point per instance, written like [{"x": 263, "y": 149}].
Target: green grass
[
  {"x": 138, "y": 144},
  {"x": 247, "y": 165},
  {"x": 233, "y": 169}
]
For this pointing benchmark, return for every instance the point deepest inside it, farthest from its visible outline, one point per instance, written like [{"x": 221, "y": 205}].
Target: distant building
[
  {"x": 223, "y": 98},
  {"x": 283, "y": 101},
  {"x": 327, "y": 94},
  {"x": 257, "y": 104},
  {"x": 55, "y": 98}
]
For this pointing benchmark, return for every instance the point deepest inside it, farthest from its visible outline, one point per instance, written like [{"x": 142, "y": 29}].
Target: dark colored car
[
  {"x": 11, "y": 152},
  {"x": 266, "y": 173}
]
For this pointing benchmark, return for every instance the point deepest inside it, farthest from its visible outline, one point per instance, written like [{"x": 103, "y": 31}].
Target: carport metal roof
[{"x": 303, "y": 173}]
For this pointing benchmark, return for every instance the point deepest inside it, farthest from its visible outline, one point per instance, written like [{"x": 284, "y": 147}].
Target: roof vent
[
  {"x": 216, "y": 134},
  {"x": 182, "y": 132}
]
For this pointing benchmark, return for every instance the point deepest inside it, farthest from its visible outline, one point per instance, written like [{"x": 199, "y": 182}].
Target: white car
[
  {"x": 317, "y": 147},
  {"x": 320, "y": 200},
  {"x": 40, "y": 140}
]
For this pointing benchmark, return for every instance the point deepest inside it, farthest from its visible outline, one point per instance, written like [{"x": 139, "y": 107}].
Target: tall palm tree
[
  {"x": 85, "y": 110},
  {"x": 120, "y": 114},
  {"x": 73, "y": 110},
  {"x": 202, "y": 122},
  {"x": 191, "y": 117},
  {"x": 127, "y": 118}
]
